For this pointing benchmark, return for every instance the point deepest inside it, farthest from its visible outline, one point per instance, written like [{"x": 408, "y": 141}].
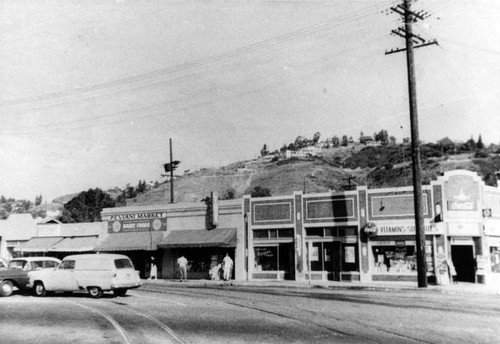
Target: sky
[{"x": 92, "y": 91}]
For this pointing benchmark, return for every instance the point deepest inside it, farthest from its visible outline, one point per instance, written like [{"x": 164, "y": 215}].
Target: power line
[{"x": 304, "y": 32}]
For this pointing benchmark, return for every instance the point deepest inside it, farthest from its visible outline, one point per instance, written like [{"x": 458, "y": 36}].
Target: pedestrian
[
  {"x": 228, "y": 267},
  {"x": 182, "y": 263},
  {"x": 154, "y": 270},
  {"x": 451, "y": 270}
]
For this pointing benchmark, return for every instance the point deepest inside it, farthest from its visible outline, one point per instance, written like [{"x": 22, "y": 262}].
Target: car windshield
[
  {"x": 18, "y": 264},
  {"x": 123, "y": 264}
]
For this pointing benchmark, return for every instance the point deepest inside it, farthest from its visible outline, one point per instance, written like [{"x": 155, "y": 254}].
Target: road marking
[
  {"x": 108, "y": 318},
  {"x": 157, "y": 322}
]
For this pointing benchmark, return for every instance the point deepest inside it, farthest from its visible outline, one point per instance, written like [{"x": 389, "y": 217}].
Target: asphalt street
[{"x": 236, "y": 312}]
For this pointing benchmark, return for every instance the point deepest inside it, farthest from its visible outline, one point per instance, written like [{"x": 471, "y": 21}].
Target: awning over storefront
[
  {"x": 38, "y": 244},
  {"x": 75, "y": 244},
  {"x": 224, "y": 237},
  {"x": 131, "y": 241}
]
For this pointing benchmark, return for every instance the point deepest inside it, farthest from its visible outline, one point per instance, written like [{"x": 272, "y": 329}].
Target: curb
[{"x": 473, "y": 289}]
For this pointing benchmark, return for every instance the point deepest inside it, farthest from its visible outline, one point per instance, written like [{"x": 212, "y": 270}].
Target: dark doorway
[{"x": 463, "y": 259}]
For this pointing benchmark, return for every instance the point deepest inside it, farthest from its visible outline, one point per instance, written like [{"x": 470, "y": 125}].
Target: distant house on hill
[
  {"x": 294, "y": 154},
  {"x": 367, "y": 140}
]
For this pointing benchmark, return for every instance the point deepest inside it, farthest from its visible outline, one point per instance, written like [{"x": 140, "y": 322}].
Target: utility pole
[
  {"x": 407, "y": 33},
  {"x": 348, "y": 179},
  {"x": 171, "y": 175},
  {"x": 170, "y": 167}
]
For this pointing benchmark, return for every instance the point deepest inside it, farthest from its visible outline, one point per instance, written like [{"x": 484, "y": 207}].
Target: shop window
[
  {"x": 330, "y": 232},
  {"x": 394, "y": 259},
  {"x": 266, "y": 258},
  {"x": 348, "y": 231},
  {"x": 350, "y": 257},
  {"x": 260, "y": 234},
  {"x": 274, "y": 258},
  {"x": 272, "y": 233},
  {"x": 285, "y": 233},
  {"x": 314, "y": 232}
]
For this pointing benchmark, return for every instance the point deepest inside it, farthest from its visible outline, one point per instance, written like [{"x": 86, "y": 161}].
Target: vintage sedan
[
  {"x": 91, "y": 273},
  {"x": 16, "y": 273}
]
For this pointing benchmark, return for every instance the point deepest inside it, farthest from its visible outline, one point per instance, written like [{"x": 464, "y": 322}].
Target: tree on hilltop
[
  {"x": 264, "y": 150},
  {"x": 316, "y": 137},
  {"x": 480, "y": 144},
  {"x": 345, "y": 140}
]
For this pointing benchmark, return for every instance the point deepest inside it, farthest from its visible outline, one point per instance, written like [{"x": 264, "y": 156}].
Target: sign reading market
[{"x": 137, "y": 222}]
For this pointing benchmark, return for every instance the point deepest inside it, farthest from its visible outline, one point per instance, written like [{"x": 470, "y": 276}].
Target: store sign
[
  {"x": 407, "y": 230},
  {"x": 138, "y": 216},
  {"x": 137, "y": 222},
  {"x": 462, "y": 205}
]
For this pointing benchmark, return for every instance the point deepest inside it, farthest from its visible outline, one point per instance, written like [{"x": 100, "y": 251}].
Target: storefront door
[{"x": 463, "y": 259}]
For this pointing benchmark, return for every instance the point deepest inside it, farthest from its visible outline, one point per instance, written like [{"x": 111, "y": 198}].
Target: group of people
[
  {"x": 227, "y": 267},
  {"x": 182, "y": 264}
]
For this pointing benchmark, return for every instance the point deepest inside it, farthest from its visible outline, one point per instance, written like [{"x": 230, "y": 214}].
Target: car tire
[
  {"x": 6, "y": 288},
  {"x": 39, "y": 289},
  {"x": 95, "y": 292},
  {"x": 120, "y": 292}
]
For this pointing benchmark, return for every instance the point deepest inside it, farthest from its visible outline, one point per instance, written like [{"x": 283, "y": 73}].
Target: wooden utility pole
[
  {"x": 410, "y": 38},
  {"x": 171, "y": 174}
]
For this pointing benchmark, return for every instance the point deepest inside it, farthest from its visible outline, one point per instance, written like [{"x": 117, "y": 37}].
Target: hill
[{"x": 329, "y": 169}]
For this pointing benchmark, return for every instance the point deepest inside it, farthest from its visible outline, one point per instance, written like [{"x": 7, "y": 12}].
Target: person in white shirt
[
  {"x": 228, "y": 267},
  {"x": 154, "y": 269},
  {"x": 182, "y": 263}
]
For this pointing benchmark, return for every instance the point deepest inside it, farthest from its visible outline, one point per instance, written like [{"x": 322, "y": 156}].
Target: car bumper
[{"x": 126, "y": 285}]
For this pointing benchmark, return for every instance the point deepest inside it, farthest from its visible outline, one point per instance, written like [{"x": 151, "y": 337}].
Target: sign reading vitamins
[{"x": 137, "y": 222}]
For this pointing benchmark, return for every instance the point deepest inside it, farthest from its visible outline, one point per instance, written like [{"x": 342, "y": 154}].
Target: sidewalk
[{"x": 460, "y": 288}]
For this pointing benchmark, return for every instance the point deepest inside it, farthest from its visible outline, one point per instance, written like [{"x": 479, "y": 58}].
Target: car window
[
  {"x": 123, "y": 264},
  {"x": 37, "y": 264},
  {"x": 50, "y": 264},
  {"x": 17, "y": 264},
  {"x": 67, "y": 265},
  {"x": 2, "y": 265}
]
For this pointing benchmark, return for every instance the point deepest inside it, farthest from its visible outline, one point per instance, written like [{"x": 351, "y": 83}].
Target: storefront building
[
  {"x": 369, "y": 234},
  {"x": 59, "y": 240},
  {"x": 388, "y": 238},
  {"x": 201, "y": 232}
]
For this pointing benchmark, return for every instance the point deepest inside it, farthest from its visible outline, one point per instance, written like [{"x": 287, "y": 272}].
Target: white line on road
[
  {"x": 157, "y": 322},
  {"x": 108, "y": 318}
]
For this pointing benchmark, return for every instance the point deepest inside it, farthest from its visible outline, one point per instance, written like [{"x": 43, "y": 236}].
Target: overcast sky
[{"x": 91, "y": 91}]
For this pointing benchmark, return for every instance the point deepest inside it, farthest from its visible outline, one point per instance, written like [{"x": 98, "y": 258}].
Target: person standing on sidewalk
[
  {"x": 154, "y": 270},
  {"x": 182, "y": 263},
  {"x": 228, "y": 267},
  {"x": 452, "y": 271}
]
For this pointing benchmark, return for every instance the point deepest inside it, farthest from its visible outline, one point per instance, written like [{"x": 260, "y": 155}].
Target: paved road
[{"x": 221, "y": 313}]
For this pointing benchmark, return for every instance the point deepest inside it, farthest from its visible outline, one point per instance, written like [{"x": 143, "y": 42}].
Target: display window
[
  {"x": 394, "y": 259},
  {"x": 276, "y": 257}
]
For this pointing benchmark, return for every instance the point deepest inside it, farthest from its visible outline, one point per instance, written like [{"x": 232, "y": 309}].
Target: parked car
[
  {"x": 16, "y": 273},
  {"x": 92, "y": 273},
  {"x": 3, "y": 264}
]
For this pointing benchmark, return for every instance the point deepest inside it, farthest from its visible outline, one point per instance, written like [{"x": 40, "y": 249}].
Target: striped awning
[
  {"x": 131, "y": 241},
  {"x": 38, "y": 244},
  {"x": 75, "y": 244},
  {"x": 223, "y": 237}
]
